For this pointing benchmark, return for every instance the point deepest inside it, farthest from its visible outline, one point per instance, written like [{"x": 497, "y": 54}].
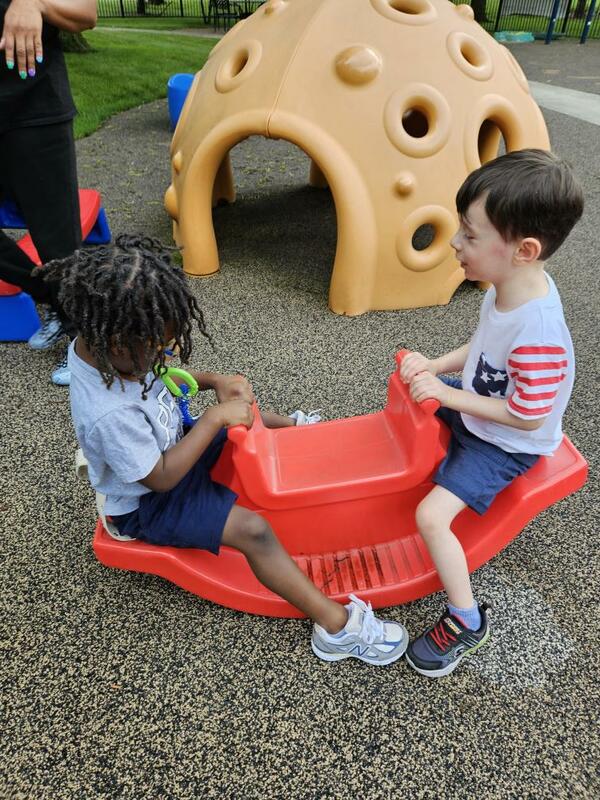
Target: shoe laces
[
  {"x": 371, "y": 629},
  {"x": 313, "y": 416},
  {"x": 63, "y": 363},
  {"x": 441, "y": 635}
]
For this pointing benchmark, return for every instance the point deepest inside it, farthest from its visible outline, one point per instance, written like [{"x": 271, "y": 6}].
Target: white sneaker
[
  {"x": 61, "y": 375},
  {"x": 366, "y": 637},
  {"x": 50, "y": 332},
  {"x": 309, "y": 418}
]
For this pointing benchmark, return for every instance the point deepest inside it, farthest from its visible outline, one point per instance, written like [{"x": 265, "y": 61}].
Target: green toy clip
[{"x": 168, "y": 373}]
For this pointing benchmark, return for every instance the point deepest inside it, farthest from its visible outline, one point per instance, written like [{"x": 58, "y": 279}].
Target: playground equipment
[
  {"x": 178, "y": 87},
  {"x": 394, "y": 101},
  {"x": 341, "y": 496},
  {"x": 18, "y": 315}
]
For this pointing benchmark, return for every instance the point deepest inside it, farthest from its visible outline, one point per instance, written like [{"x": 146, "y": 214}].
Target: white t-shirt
[
  {"x": 525, "y": 355},
  {"x": 121, "y": 435}
]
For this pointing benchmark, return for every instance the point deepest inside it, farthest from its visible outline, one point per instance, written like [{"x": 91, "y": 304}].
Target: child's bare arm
[
  {"x": 176, "y": 462},
  {"x": 226, "y": 387},
  {"x": 413, "y": 363},
  {"x": 424, "y": 386}
]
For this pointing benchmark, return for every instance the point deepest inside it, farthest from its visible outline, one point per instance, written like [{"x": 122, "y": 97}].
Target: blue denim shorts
[
  {"x": 191, "y": 514},
  {"x": 475, "y": 470}
]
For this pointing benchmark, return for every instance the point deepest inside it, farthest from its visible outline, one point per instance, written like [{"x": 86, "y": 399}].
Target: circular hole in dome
[
  {"x": 472, "y": 54},
  {"x": 237, "y": 63},
  {"x": 415, "y": 123},
  {"x": 424, "y": 236},
  {"x": 491, "y": 141},
  {"x": 409, "y": 6}
]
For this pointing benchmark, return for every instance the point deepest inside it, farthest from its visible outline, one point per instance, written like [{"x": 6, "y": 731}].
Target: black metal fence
[
  {"x": 544, "y": 18},
  {"x": 154, "y": 8},
  {"x": 208, "y": 10}
]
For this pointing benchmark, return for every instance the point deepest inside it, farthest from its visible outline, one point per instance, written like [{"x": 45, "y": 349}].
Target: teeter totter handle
[
  {"x": 429, "y": 407},
  {"x": 238, "y": 433}
]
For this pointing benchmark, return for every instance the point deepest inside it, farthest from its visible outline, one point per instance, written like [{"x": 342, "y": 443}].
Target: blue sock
[{"x": 470, "y": 617}]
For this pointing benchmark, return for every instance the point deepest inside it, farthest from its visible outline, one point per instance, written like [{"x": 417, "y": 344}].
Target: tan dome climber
[{"x": 395, "y": 102}]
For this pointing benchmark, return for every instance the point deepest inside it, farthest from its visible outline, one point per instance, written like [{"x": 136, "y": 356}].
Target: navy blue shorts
[
  {"x": 191, "y": 514},
  {"x": 475, "y": 470}
]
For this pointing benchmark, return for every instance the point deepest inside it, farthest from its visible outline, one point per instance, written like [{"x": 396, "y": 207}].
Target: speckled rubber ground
[{"x": 119, "y": 685}]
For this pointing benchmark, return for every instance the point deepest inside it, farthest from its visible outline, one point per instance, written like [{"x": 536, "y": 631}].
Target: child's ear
[{"x": 528, "y": 251}]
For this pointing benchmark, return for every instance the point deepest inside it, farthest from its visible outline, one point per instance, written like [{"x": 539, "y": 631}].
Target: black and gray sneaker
[
  {"x": 50, "y": 332},
  {"x": 441, "y": 648}
]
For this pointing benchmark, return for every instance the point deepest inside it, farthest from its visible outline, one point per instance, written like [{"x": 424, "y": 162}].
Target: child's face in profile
[
  {"x": 483, "y": 253},
  {"x": 147, "y": 356}
]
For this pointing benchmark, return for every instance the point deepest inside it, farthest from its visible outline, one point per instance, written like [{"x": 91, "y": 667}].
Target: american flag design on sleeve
[{"x": 537, "y": 372}]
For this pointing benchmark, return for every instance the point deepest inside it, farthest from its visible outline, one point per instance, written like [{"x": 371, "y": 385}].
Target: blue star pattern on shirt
[{"x": 489, "y": 381}]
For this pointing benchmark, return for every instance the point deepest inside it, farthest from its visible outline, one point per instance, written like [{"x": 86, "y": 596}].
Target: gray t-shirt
[{"x": 121, "y": 435}]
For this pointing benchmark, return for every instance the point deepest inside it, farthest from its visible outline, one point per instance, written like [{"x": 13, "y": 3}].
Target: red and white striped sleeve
[{"x": 537, "y": 372}]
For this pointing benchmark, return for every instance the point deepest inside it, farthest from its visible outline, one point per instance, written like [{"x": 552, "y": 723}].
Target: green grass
[{"x": 126, "y": 70}]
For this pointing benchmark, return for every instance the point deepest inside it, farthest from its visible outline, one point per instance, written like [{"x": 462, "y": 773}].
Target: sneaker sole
[
  {"x": 439, "y": 673},
  {"x": 46, "y": 345},
  {"x": 394, "y": 656}
]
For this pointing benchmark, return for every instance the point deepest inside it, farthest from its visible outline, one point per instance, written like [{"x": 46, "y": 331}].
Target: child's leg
[
  {"x": 252, "y": 535},
  {"x": 272, "y": 420},
  {"x": 434, "y": 517},
  {"x": 463, "y": 627}
]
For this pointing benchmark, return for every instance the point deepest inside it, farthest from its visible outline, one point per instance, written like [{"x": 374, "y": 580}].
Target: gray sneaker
[
  {"x": 366, "y": 637},
  {"x": 50, "y": 332},
  {"x": 61, "y": 376}
]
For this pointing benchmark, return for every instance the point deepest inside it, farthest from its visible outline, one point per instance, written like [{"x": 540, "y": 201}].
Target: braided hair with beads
[{"x": 125, "y": 296}]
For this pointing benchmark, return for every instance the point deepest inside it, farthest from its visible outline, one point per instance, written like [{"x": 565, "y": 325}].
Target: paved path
[
  {"x": 205, "y": 33},
  {"x": 582, "y": 105}
]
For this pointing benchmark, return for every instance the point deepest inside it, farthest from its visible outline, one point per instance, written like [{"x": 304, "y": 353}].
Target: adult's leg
[
  {"x": 275, "y": 569},
  {"x": 39, "y": 170}
]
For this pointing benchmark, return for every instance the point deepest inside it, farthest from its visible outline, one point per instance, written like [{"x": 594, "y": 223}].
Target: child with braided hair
[{"x": 131, "y": 306}]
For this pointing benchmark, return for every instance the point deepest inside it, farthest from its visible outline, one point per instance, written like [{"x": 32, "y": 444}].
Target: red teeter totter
[
  {"x": 341, "y": 497},
  {"x": 18, "y": 315}
]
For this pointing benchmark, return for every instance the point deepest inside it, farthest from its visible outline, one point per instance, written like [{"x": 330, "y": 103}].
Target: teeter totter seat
[{"x": 341, "y": 496}]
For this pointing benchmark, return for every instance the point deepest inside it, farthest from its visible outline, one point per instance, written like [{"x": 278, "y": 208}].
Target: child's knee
[
  {"x": 428, "y": 518},
  {"x": 254, "y": 534}
]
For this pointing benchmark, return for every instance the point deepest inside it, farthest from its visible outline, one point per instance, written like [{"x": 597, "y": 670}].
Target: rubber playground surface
[{"x": 120, "y": 685}]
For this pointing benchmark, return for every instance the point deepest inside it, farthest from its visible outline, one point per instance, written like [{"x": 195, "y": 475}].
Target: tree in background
[{"x": 75, "y": 43}]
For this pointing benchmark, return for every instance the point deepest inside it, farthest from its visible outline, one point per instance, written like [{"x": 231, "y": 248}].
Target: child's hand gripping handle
[
  {"x": 238, "y": 433},
  {"x": 428, "y": 407}
]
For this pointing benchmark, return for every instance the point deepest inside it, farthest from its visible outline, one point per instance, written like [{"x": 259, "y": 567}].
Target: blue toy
[
  {"x": 178, "y": 87},
  {"x": 89, "y": 200},
  {"x": 18, "y": 317}
]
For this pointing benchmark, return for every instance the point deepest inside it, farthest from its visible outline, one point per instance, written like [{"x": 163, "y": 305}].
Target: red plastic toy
[
  {"x": 18, "y": 314},
  {"x": 341, "y": 497},
  {"x": 90, "y": 206}
]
